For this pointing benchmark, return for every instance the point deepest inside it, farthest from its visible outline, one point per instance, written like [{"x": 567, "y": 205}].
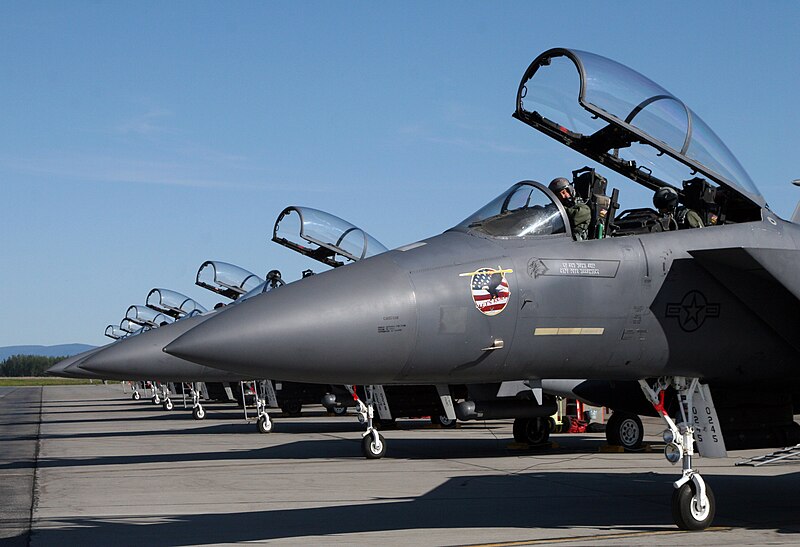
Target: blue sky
[{"x": 139, "y": 139}]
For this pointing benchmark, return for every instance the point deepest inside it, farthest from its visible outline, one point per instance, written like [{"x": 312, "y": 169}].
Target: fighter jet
[{"x": 696, "y": 311}]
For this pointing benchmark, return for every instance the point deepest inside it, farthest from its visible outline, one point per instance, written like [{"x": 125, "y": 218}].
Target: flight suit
[
  {"x": 579, "y": 215},
  {"x": 687, "y": 218}
]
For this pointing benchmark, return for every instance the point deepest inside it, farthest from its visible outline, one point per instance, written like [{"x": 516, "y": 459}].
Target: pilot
[
  {"x": 578, "y": 212},
  {"x": 674, "y": 216}
]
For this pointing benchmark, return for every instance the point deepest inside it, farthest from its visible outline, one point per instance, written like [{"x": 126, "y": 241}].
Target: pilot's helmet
[
  {"x": 665, "y": 198},
  {"x": 558, "y": 184},
  {"x": 273, "y": 275}
]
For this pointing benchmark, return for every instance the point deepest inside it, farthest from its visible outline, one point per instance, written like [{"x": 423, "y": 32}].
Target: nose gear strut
[
  {"x": 693, "y": 504},
  {"x": 373, "y": 445}
]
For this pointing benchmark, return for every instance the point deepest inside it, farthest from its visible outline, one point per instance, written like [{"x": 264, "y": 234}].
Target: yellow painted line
[
  {"x": 597, "y": 537},
  {"x": 568, "y": 331}
]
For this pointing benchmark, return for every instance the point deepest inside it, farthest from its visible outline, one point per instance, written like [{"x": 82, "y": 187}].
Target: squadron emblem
[{"x": 490, "y": 290}]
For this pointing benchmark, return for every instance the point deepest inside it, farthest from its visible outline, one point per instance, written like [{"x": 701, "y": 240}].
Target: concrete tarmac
[{"x": 111, "y": 471}]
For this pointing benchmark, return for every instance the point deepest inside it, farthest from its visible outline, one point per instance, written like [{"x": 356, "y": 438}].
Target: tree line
[{"x": 27, "y": 365}]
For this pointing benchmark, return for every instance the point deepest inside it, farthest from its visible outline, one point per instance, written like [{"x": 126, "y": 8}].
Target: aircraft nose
[{"x": 355, "y": 322}]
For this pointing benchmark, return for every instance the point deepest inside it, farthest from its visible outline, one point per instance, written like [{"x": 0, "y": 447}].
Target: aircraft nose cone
[
  {"x": 59, "y": 368},
  {"x": 141, "y": 357},
  {"x": 355, "y": 324}
]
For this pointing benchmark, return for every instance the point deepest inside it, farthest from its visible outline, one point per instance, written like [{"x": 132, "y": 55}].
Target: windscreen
[{"x": 524, "y": 210}]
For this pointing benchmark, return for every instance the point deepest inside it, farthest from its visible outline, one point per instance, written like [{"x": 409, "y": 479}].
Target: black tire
[
  {"x": 292, "y": 408},
  {"x": 520, "y": 424},
  {"x": 167, "y": 404},
  {"x": 566, "y": 423},
  {"x": 625, "y": 429},
  {"x": 443, "y": 421},
  {"x": 339, "y": 410},
  {"x": 534, "y": 431},
  {"x": 156, "y": 400},
  {"x": 685, "y": 512},
  {"x": 136, "y": 396},
  {"x": 198, "y": 413},
  {"x": 368, "y": 448},
  {"x": 264, "y": 426}
]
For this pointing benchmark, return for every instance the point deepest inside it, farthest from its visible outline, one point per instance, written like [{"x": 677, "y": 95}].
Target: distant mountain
[{"x": 46, "y": 351}]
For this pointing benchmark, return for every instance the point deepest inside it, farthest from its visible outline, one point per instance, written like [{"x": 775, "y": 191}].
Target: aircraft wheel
[
  {"x": 136, "y": 396},
  {"x": 339, "y": 410},
  {"x": 443, "y": 421},
  {"x": 167, "y": 404},
  {"x": 625, "y": 429},
  {"x": 198, "y": 412},
  {"x": 537, "y": 431},
  {"x": 686, "y": 511},
  {"x": 566, "y": 423},
  {"x": 156, "y": 400},
  {"x": 264, "y": 425},
  {"x": 292, "y": 408},
  {"x": 369, "y": 449},
  {"x": 519, "y": 429}
]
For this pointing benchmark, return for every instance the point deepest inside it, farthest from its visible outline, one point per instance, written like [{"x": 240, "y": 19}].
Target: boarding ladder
[{"x": 784, "y": 454}]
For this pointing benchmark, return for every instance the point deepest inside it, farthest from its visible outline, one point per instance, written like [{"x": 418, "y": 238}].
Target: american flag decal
[{"x": 490, "y": 290}]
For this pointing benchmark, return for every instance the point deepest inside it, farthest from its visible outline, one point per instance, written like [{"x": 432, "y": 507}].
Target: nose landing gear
[
  {"x": 693, "y": 503},
  {"x": 373, "y": 445}
]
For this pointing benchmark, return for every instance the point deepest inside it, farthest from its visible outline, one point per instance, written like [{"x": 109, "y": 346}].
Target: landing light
[
  {"x": 668, "y": 436},
  {"x": 673, "y": 453}
]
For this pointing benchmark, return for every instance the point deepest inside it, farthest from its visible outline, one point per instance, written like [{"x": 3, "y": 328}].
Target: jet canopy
[
  {"x": 146, "y": 317},
  {"x": 172, "y": 303},
  {"x": 128, "y": 326},
  {"x": 226, "y": 279},
  {"x": 625, "y": 121},
  {"x": 527, "y": 209},
  {"x": 115, "y": 332},
  {"x": 323, "y": 236}
]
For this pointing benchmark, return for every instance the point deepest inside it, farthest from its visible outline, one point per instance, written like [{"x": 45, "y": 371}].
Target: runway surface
[{"x": 100, "y": 469}]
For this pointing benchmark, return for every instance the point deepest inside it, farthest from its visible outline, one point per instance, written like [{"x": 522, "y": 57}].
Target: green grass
[{"x": 16, "y": 382}]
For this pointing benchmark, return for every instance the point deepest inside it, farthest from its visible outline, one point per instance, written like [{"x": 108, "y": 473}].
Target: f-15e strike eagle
[{"x": 683, "y": 313}]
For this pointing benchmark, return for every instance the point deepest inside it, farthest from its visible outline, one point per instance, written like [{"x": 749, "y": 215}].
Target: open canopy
[
  {"x": 172, "y": 303},
  {"x": 226, "y": 279},
  {"x": 144, "y": 316},
  {"x": 323, "y": 236},
  {"x": 623, "y": 120},
  {"x": 115, "y": 332}
]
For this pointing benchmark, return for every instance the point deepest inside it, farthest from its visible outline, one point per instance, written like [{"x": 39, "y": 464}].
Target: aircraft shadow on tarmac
[
  {"x": 542, "y": 500},
  {"x": 418, "y": 448}
]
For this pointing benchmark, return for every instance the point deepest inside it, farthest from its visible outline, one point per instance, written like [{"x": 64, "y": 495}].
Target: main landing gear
[
  {"x": 625, "y": 429},
  {"x": 532, "y": 431},
  {"x": 693, "y": 503},
  {"x": 373, "y": 445}
]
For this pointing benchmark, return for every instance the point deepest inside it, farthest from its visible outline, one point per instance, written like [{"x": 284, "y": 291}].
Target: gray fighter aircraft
[{"x": 695, "y": 311}]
